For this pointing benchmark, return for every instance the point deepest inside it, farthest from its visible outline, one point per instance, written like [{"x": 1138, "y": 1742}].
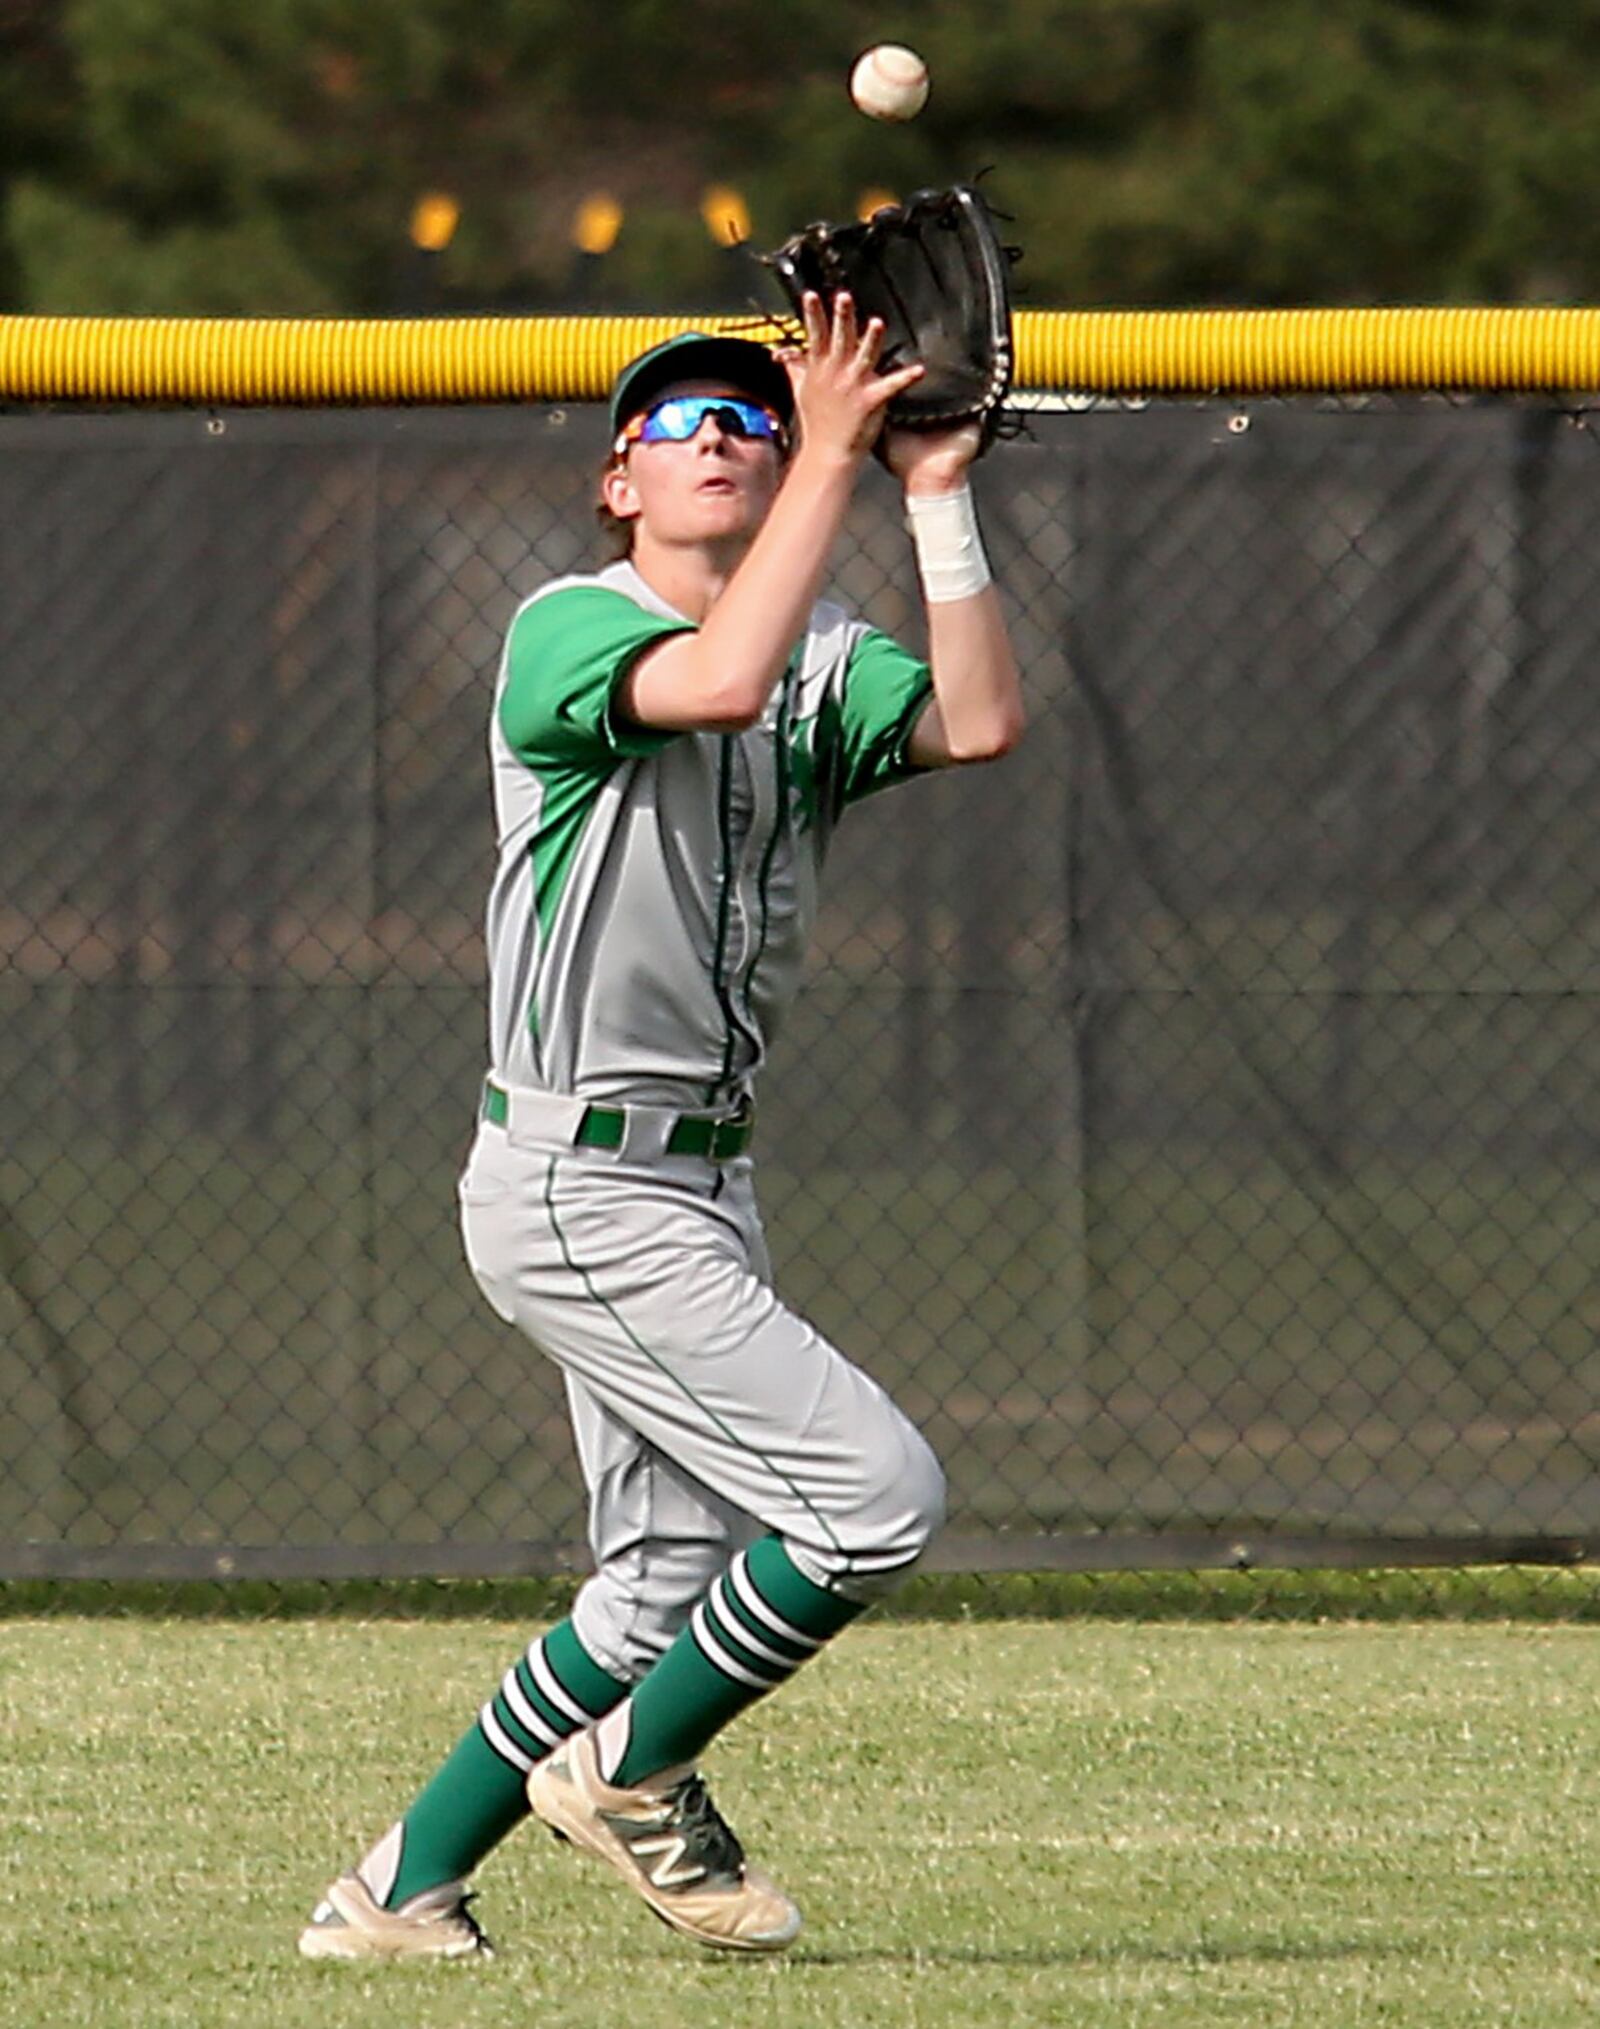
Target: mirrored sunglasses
[{"x": 675, "y": 420}]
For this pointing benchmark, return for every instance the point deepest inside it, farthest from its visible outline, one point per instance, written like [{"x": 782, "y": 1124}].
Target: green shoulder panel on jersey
[
  {"x": 886, "y": 688},
  {"x": 565, "y": 655}
]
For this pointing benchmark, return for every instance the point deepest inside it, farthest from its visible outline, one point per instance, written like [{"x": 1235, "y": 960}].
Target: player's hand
[
  {"x": 932, "y": 461},
  {"x": 840, "y": 396}
]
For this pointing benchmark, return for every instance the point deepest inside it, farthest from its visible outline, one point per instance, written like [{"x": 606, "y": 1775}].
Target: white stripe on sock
[
  {"x": 501, "y": 1741},
  {"x": 731, "y": 1628},
  {"x": 525, "y": 1713},
  {"x": 700, "y": 1628},
  {"x": 550, "y": 1685},
  {"x": 741, "y": 1581}
]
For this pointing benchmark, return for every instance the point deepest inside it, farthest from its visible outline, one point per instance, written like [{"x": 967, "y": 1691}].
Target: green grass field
[{"x": 1095, "y": 1822}]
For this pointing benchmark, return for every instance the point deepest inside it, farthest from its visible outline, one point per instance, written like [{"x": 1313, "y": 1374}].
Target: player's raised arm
[
  {"x": 936, "y": 269},
  {"x": 976, "y": 712},
  {"x": 753, "y": 590}
]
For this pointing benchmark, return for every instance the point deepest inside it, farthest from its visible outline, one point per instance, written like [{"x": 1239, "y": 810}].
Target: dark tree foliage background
[{"x": 203, "y": 156}]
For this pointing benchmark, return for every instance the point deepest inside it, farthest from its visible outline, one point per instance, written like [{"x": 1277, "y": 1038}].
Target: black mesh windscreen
[{"x": 1192, "y": 1119}]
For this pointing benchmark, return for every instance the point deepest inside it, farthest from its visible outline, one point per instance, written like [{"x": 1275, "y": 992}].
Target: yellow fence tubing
[
  {"x": 302, "y": 361},
  {"x": 1308, "y": 351}
]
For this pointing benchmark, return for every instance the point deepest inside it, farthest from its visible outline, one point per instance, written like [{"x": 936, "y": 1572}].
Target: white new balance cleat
[
  {"x": 349, "y": 1924},
  {"x": 669, "y": 1843}
]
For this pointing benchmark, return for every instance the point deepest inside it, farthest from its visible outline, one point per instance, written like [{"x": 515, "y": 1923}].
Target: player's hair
[{"x": 616, "y": 535}]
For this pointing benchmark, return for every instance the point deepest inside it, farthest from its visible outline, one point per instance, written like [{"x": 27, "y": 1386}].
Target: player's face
[{"x": 714, "y": 485}]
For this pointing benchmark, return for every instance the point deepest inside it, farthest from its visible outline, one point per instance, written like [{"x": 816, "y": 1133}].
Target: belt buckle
[{"x": 736, "y": 1127}]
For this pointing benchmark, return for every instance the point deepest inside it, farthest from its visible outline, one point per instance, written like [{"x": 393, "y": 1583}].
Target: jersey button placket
[{"x": 737, "y": 796}]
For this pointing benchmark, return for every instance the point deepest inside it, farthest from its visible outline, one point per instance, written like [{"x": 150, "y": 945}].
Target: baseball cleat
[
  {"x": 349, "y": 1924},
  {"x": 670, "y": 1844}
]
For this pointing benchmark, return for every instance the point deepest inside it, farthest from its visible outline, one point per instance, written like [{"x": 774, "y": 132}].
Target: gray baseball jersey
[
  {"x": 646, "y": 928},
  {"x": 655, "y": 890}
]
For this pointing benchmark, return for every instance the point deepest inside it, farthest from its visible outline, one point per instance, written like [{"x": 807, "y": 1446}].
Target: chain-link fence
[{"x": 1192, "y": 1120}]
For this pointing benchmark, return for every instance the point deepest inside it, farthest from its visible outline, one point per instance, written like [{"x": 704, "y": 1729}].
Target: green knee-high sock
[
  {"x": 477, "y": 1797},
  {"x": 755, "y": 1627}
]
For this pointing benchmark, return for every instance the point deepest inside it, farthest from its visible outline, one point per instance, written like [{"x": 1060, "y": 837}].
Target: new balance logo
[{"x": 660, "y": 1859}]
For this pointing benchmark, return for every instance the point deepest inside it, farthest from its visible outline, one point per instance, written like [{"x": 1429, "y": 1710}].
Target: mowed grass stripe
[{"x": 1012, "y": 1823}]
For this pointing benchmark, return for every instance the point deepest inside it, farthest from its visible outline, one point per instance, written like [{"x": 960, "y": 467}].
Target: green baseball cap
[{"x": 701, "y": 355}]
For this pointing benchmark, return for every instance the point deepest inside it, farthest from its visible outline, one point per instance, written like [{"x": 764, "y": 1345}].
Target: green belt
[{"x": 603, "y": 1126}]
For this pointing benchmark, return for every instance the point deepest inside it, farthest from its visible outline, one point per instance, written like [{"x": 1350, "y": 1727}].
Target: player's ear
[{"x": 618, "y": 493}]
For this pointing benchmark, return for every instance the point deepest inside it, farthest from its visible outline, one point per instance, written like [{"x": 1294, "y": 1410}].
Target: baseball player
[{"x": 673, "y": 740}]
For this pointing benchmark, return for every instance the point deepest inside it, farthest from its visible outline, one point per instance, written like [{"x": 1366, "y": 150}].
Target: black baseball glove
[{"x": 935, "y": 271}]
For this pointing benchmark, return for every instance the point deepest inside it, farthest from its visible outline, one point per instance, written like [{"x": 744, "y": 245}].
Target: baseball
[{"x": 890, "y": 83}]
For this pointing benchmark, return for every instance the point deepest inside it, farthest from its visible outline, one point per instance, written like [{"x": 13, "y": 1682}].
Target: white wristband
[{"x": 944, "y": 533}]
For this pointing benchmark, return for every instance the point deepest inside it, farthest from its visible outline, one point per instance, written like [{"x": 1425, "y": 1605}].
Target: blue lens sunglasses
[{"x": 675, "y": 420}]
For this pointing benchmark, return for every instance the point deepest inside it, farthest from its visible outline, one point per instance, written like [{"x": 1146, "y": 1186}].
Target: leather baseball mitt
[{"x": 935, "y": 271}]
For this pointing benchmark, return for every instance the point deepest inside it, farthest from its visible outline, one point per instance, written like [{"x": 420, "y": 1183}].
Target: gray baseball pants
[{"x": 705, "y": 1412}]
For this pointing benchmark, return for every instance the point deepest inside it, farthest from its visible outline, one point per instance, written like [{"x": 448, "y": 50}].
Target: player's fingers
[
  {"x": 845, "y": 333},
  {"x": 870, "y": 343},
  {"x": 886, "y": 386},
  {"x": 815, "y": 319}
]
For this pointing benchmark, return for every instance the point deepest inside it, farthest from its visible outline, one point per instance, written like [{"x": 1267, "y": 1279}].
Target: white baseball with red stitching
[{"x": 890, "y": 82}]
